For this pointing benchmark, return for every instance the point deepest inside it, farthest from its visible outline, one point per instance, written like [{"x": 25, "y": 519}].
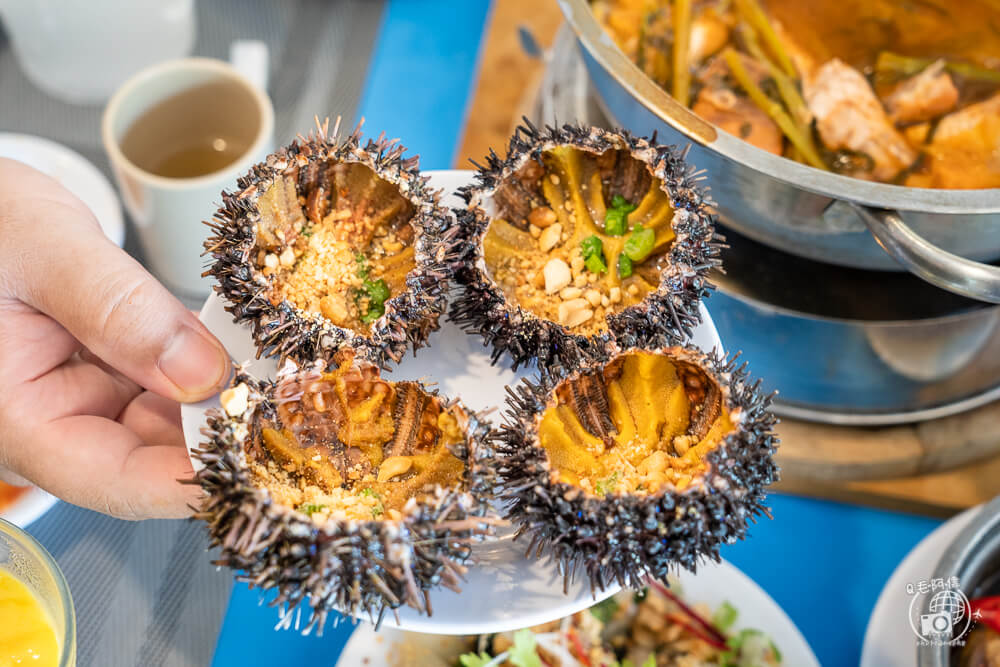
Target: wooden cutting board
[{"x": 936, "y": 468}]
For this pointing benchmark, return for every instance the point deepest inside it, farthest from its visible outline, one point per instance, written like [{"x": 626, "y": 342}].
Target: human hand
[{"x": 94, "y": 356}]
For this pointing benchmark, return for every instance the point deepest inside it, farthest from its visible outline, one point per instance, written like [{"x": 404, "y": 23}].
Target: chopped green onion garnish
[
  {"x": 620, "y": 202},
  {"x": 311, "y": 508},
  {"x": 640, "y": 243},
  {"x": 377, "y": 290},
  {"x": 616, "y": 217},
  {"x": 374, "y": 312},
  {"x": 362, "y": 264},
  {"x": 624, "y": 266},
  {"x": 608, "y": 485},
  {"x": 378, "y": 293},
  {"x": 592, "y": 250},
  {"x": 595, "y": 264},
  {"x": 614, "y": 222}
]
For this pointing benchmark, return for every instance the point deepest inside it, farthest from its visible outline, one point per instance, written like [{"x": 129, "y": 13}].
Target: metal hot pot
[{"x": 943, "y": 236}]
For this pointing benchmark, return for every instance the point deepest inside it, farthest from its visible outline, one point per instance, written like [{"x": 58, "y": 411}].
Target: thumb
[{"x": 58, "y": 261}]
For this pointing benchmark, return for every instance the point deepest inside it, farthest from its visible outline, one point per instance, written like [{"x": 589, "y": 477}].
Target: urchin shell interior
[
  {"x": 329, "y": 244},
  {"x": 550, "y": 250},
  {"x": 581, "y": 235},
  {"x": 348, "y": 444},
  {"x": 643, "y": 422},
  {"x": 634, "y": 465},
  {"x": 344, "y": 490}
]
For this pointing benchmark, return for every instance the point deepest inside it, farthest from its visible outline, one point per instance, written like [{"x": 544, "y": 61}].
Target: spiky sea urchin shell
[
  {"x": 627, "y": 537},
  {"x": 280, "y": 328},
  {"x": 353, "y": 566},
  {"x": 665, "y": 316}
]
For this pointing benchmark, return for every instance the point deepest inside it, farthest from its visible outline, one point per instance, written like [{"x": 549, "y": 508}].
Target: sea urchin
[
  {"x": 330, "y": 243},
  {"x": 578, "y": 236},
  {"x": 342, "y": 489},
  {"x": 628, "y": 466}
]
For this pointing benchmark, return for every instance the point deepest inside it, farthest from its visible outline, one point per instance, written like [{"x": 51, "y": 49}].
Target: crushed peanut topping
[
  {"x": 592, "y": 225},
  {"x": 338, "y": 244}
]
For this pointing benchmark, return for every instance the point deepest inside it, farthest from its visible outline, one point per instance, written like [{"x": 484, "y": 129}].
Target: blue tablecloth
[{"x": 823, "y": 562}]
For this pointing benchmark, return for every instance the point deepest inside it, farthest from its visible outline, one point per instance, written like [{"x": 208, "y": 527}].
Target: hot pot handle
[{"x": 924, "y": 259}]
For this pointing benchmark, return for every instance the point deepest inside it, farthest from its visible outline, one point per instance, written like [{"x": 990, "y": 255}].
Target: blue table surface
[{"x": 823, "y": 562}]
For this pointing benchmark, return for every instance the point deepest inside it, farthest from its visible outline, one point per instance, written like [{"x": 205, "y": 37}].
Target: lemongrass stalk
[
  {"x": 904, "y": 66},
  {"x": 755, "y": 16},
  {"x": 787, "y": 89},
  {"x": 773, "y": 109},
  {"x": 682, "y": 46}
]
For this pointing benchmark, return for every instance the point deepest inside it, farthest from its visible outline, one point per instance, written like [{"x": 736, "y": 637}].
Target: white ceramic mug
[
  {"x": 169, "y": 212},
  {"x": 81, "y": 52}
]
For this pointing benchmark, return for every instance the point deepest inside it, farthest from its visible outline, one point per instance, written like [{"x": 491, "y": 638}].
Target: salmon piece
[
  {"x": 964, "y": 151},
  {"x": 739, "y": 116},
  {"x": 850, "y": 116},
  {"x": 923, "y": 96}
]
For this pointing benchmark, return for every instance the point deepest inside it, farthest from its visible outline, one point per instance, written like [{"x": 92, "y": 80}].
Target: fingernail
[{"x": 193, "y": 362}]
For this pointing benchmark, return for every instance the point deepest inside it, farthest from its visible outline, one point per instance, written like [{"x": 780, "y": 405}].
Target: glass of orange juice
[{"x": 37, "y": 622}]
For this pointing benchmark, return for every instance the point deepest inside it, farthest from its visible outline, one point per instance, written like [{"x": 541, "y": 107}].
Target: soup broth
[{"x": 898, "y": 91}]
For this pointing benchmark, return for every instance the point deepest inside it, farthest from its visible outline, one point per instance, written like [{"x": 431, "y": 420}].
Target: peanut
[
  {"x": 550, "y": 237},
  {"x": 574, "y": 313},
  {"x": 542, "y": 217},
  {"x": 557, "y": 275},
  {"x": 235, "y": 400}
]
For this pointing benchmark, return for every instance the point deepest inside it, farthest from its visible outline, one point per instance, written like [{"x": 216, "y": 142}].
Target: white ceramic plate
[
  {"x": 29, "y": 506},
  {"x": 889, "y": 639},
  {"x": 714, "y": 584},
  {"x": 75, "y": 174},
  {"x": 520, "y": 592}
]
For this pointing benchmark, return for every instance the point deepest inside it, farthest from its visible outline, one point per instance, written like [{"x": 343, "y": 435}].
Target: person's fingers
[
  {"x": 31, "y": 343},
  {"x": 79, "y": 387},
  {"x": 108, "y": 302},
  {"x": 18, "y": 180},
  {"x": 98, "y": 463},
  {"x": 154, "y": 419}
]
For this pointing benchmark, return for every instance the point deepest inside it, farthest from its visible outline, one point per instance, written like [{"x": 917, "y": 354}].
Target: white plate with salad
[{"x": 717, "y": 617}]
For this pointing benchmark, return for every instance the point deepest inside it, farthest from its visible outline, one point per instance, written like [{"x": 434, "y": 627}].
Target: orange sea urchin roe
[
  {"x": 357, "y": 446},
  {"x": 26, "y": 634},
  {"x": 550, "y": 248},
  {"x": 654, "y": 435},
  {"x": 338, "y": 246}
]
